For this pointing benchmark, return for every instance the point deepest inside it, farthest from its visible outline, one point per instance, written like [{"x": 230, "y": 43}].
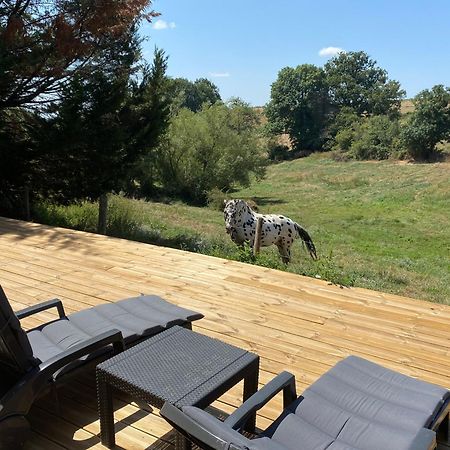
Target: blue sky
[{"x": 241, "y": 45}]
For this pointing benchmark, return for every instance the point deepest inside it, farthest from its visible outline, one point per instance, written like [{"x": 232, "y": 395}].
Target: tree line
[
  {"x": 351, "y": 106},
  {"x": 82, "y": 114}
]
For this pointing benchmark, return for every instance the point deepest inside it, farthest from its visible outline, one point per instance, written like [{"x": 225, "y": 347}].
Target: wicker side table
[{"x": 179, "y": 366}]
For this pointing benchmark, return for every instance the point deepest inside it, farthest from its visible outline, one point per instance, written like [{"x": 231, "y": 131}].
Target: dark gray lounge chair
[
  {"x": 32, "y": 362},
  {"x": 356, "y": 405}
]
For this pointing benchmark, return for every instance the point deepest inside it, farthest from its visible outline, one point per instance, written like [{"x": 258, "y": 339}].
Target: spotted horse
[{"x": 240, "y": 224}]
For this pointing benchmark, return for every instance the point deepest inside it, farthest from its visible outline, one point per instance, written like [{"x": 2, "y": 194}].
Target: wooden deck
[{"x": 295, "y": 323}]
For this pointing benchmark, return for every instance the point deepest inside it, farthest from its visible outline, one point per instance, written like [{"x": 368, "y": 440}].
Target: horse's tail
[{"x": 306, "y": 238}]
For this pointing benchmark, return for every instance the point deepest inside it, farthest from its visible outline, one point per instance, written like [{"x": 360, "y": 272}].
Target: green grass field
[{"x": 380, "y": 225}]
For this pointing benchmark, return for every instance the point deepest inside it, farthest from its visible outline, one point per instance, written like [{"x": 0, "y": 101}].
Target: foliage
[
  {"x": 44, "y": 44},
  {"x": 356, "y": 82},
  {"x": 299, "y": 106},
  {"x": 78, "y": 216},
  {"x": 429, "y": 123},
  {"x": 192, "y": 95},
  {"x": 103, "y": 124},
  {"x": 147, "y": 119},
  {"x": 103, "y": 112},
  {"x": 214, "y": 148},
  {"x": 125, "y": 218},
  {"x": 340, "y": 131},
  {"x": 279, "y": 152},
  {"x": 20, "y": 133},
  {"x": 375, "y": 137}
]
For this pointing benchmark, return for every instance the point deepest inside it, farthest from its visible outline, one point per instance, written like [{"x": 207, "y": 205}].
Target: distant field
[
  {"x": 380, "y": 225},
  {"x": 406, "y": 106}
]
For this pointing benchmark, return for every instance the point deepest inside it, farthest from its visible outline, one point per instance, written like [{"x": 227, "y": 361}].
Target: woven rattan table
[{"x": 179, "y": 366}]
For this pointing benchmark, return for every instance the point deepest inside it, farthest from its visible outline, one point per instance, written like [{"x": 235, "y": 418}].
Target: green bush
[
  {"x": 79, "y": 216},
  {"x": 125, "y": 217},
  {"x": 217, "y": 147},
  {"x": 375, "y": 138},
  {"x": 279, "y": 152},
  {"x": 344, "y": 139}
]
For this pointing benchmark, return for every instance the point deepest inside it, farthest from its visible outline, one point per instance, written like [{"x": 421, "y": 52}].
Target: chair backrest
[{"x": 16, "y": 355}]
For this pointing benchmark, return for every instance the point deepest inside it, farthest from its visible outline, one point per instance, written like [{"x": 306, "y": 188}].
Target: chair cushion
[
  {"x": 136, "y": 318},
  {"x": 265, "y": 443},
  {"x": 368, "y": 390},
  {"x": 424, "y": 439},
  {"x": 359, "y": 405},
  {"x": 355, "y": 434}
]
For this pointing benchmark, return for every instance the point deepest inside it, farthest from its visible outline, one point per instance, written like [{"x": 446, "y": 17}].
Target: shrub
[
  {"x": 341, "y": 129},
  {"x": 279, "y": 152},
  {"x": 375, "y": 138},
  {"x": 217, "y": 147},
  {"x": 344, "y": 139},
  {"x": 79, "y": 216},
  {"x": 125, "y": 217}
]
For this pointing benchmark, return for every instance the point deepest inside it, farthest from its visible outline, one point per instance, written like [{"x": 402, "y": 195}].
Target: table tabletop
[{"x": 179, "y": 366}]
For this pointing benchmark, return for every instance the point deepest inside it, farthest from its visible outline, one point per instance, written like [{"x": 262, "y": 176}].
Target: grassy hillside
[
  {"x": 386, "y": 225},
  {"x": 381, "y": 225}
]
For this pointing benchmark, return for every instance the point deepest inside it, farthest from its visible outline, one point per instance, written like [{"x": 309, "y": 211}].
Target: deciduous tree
[
  {"x": 43, "y": 44},
  {"x": 355, "y": 81},
  {"x": 429, "y": 123},
  {"x": 214, "y": 148},
  {"x": 299, "y": 106},
  {"x": 192, "y": 95}
]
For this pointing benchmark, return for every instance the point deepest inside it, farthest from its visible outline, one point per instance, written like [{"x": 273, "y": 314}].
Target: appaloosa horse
[{"x": 240, "y": 224}]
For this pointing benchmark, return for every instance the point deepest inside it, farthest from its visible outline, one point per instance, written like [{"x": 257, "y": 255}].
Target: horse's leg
[{"x": 285, "y": 252}]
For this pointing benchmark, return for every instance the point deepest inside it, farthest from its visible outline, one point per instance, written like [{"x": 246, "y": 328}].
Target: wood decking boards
[{"x": 294, "y": 323}]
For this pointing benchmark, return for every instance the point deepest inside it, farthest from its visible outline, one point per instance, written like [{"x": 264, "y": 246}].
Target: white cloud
[
  {"x": 219, "y": 74},
  {"x": 330, "y": 51},
  {"x": 163, "y": 25}
]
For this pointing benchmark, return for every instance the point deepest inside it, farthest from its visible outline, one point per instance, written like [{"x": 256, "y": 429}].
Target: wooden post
[
  {"x": 26, "y": 202},
  {"x": 102, "y": 213},
  {"x": 257, "y": 242}
]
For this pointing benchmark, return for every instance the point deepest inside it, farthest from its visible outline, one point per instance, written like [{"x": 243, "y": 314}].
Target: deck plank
[{"x": 294, "y": 323}]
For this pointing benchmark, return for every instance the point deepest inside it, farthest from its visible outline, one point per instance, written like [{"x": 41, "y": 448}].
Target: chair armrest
[
  {"x": 193, "y": 430},
  {"x": 285, "y": 382},
  {"x": 58, "y": 361},
  {"x": 55, "y": 303},
  {"x": 20, "y": 397}
]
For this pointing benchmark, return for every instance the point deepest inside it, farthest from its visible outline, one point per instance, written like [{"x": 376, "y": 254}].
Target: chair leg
[
  {"x": 443, "y": 431},
  {"x": 14, "y": 432},
  {"x": 182, "y": 442}
]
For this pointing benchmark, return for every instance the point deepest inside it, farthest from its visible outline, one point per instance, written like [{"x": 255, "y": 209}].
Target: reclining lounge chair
[
  {"x": 32, "y": 362},
  {"x": 356, "y": 405}
]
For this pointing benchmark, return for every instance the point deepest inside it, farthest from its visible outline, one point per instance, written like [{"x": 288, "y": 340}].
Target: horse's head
[{"x": 234, "y": 211}]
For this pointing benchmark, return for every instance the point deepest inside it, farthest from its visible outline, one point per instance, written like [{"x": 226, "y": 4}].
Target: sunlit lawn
[{"x": 380, "y": 225}]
